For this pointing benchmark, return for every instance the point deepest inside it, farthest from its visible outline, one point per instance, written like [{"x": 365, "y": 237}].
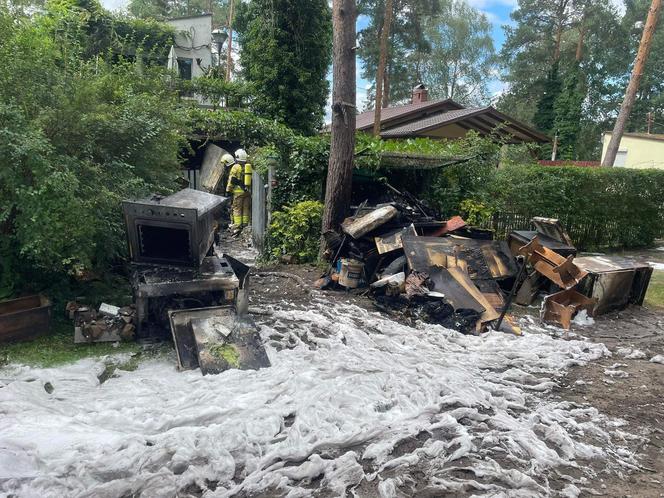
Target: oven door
[{"x": 164, "y": 242}]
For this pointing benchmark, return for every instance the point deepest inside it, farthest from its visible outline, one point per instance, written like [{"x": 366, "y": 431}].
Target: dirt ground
[
  {"x": 624, "y": 385},
  {"x": 628, "y": 388}
]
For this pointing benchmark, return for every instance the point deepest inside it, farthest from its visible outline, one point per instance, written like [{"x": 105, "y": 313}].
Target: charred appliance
[
  {"x": 174, "y": 265},
  {"x": 174, "y": 230}
]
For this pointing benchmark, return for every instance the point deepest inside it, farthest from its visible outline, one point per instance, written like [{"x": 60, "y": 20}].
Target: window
[
  {"x": 621, "y": 158},
  {"x": 184, "y": 67}
]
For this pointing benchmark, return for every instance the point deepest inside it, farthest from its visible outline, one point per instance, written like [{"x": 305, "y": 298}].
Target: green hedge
[{"x": 600, "y": 207}]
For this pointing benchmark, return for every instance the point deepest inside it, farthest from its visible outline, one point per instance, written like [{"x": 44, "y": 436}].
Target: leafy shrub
[
  {"x": 79, "y": 137},
  {"x": 600, "y": 207},
  {"x": 475, "y": 213},
  {"x": 296, "y": 231}
]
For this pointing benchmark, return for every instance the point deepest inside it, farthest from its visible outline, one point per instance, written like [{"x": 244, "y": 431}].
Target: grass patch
[
  {"x": 655, "y": 295},
  {"x": 58, "y": 348}
]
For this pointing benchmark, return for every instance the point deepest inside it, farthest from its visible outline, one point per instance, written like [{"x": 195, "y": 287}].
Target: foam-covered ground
[{"x": 354, "y": 402}]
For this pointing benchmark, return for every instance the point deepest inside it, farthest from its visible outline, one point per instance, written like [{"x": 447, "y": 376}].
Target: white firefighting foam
[{"x": 346, "y": 389}]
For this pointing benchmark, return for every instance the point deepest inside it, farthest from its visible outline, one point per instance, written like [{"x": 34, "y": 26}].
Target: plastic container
[{"x": 350, "y": 273}]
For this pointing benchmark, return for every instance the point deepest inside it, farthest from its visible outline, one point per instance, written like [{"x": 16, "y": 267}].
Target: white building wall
[{"x": 193, "y": 41}]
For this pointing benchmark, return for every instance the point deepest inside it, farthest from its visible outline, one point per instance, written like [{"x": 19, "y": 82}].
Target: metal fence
[{"x": 586, "y": 234}]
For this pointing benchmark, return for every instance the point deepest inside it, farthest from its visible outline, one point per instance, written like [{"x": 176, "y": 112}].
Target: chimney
[{"x": 420, "y": 94}]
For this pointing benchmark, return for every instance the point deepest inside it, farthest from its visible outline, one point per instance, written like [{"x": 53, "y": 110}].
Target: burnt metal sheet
[
  {"x": 614, "y": 281},
  {"x": 484, "y": 259},
  {"x": 183, "y": 338},
  {"x": 552, "y": 228},
  {"x": 529, "y": 289},
  {"x": 601, "y": 264},
  {"x": 455, "y": 293},
  {"x": 212, "y": 169},
  {"x": 216, "y": 339},
  {"x": 462, "y": 277},
  {"x": 392, "y": 241},
  {"x": 228, "y": 342}
]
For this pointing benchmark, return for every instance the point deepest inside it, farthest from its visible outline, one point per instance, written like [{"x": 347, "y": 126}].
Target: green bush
[
  {"x": 80, "y": 135},
  {"x": 600, "y": 207},
  {"x": 296, "y": 230}
]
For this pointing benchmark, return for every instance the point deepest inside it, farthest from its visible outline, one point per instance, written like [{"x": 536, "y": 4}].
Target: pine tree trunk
[
  {"x": 635, "y": 80},
  {"x": 229, "y": 57},
  {"x": 386, "y": 88},
  {"x": 556, "y": 49},
  {"x": 582, "y": 34},
  {"x": 560, "y": 24},
  {"x": 342, "y": 146},
  {"x": 382, "y": 62}
]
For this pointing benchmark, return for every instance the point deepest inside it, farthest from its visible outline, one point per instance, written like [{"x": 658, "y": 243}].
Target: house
[
  {"x": 637, "y": 150},
  {"x": 446, "y": 119},
  {"x": 191, "y": 54}
]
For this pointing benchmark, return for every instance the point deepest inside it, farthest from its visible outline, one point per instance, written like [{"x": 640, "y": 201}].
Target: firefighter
[
  {"x": 239, "y": 185},
  {"x": 226, "y": 163}
]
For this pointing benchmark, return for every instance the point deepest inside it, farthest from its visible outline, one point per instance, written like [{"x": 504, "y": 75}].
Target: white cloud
[
  {"x": 485, "y": 4},
  {"x": 115, "y": 4}
]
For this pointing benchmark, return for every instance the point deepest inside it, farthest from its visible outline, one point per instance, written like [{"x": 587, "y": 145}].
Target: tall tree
[
  {"x": 567, "y": 111},
  {"x": 165, "y": 9},
  {"x": 545, "y": 116},
  {"x": 382, "y": 60},
  {"x": 461, "y": 55},
  {"x": 406, "y": 40},
  {"x": 285, "y": 53},
  {"x": 342, "y": 146},
  {"x": 635, "y": 80},
  {"x": 533, "y": 46}
]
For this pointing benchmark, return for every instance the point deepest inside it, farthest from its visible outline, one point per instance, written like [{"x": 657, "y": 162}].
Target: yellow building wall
[{"x": 640, "y": 152}]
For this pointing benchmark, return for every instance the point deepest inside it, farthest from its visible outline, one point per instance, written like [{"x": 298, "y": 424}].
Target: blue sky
[
  {"x": 498, "y": 14},
  {"x": 497, "y": 11}
]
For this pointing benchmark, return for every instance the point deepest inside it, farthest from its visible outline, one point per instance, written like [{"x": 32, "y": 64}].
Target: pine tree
[
  {"x": 285, "y": 51},
  {"x": 544, "y": 118},
  {"x": 568, "y": 108}
]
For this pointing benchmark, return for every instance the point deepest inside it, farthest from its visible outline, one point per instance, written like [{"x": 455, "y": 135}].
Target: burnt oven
[{"x": 173, "y": 230}]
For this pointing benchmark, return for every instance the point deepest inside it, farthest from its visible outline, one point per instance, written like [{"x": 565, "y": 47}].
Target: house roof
[
  {"x": 423, "y": 117},
  {"x": 484, "y": 120},
  {"x": 393, "y": 115},
  {"x": 434, "y": 121},
  {"x": 646, "y": 136}
]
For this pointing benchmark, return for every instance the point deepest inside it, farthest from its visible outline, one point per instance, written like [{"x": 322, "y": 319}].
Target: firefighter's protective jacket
[{"x": 239, "y": 178}]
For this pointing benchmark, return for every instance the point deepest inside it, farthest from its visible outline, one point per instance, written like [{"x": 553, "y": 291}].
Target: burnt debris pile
[{"x": 419, "y": 267}]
